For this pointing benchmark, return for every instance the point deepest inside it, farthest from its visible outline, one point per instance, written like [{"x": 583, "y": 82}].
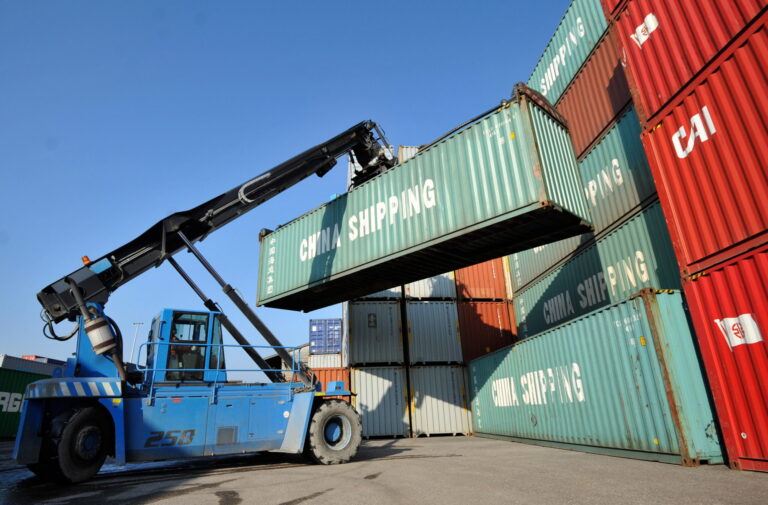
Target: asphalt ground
[{"x": 437, "y": 470}]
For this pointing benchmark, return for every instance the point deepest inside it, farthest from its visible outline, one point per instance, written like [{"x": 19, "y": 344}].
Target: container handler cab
[{"x": 181, "y": 402}]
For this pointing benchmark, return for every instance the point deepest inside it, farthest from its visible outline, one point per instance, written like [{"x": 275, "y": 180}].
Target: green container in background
[
  {"x": 579, "y": 31},
  {"x": 636, "y": 254},
  {"x": 623, "y": 380},
  {"x": 13, "y": 384},
  {"x": 505, "y": 183},
  {"x": 616, "y": 179}
]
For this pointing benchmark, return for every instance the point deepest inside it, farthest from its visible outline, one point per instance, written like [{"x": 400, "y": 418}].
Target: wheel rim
[
  {"x": 88, "y": 443},
  {"x": 337, "y": 432}
]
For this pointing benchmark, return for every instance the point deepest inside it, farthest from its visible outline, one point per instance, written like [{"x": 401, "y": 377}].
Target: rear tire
[
  {"x": 84, "y": 444},
  {"x": 335, "y": 433}
]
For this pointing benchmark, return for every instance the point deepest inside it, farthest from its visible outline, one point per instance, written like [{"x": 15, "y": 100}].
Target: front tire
[
  {"x": 335, "y": 433},
  {"x": 84, "y": 444}
]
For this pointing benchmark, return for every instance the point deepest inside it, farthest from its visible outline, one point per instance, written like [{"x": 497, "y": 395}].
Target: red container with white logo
[
  {"x": 667, "y": 42},
  {"x": 709, "y": 157},
  {"x": 729, "y": 308}
]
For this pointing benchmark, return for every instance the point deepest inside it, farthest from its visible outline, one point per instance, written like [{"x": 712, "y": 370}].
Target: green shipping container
[
  {"x": 577, "y": 34},
  {"x": 13, "y": 383},
  {"x": 623, "y": 381},
  {"x": 505, "y": 183},
  {"x": 617, "y": 180},
  {"x": 636, "y": 254}
]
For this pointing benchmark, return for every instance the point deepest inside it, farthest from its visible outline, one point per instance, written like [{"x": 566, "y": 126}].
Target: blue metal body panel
[{"x": 191, "y": 416}]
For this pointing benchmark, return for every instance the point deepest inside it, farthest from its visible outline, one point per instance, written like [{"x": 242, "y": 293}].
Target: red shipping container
[
  {"x": 611, "y": 7},
  {"x": 667, "y": 42},
  {"x": 729, "y": 308},
  {"x": 597, "y": 95},
  {"x": 709, "y": 158},
  {"x": 485, "y": 281},
  {"x": 485, "y": 327},
  {"x": 325, "y": 375}
]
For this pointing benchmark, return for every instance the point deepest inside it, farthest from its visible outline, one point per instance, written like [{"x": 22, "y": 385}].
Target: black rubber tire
[
  {"x": 341, "y": 415},
  {"x": 84, "y": 444}
]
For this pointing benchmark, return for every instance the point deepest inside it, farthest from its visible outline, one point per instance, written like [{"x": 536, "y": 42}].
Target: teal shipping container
[
  {"x": 623, "y": 380},
  {"x": 616, "y": 179},
  {"x": 636, "y": 254},
  {"x": 576, "y": 36},
  {"x": 13, "y": 384},
  {"x": 504, "y": 183}
]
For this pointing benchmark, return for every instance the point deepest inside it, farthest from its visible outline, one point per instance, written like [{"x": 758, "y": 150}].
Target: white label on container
[
  {"x": 739, "y": 330},
  {"x": 643, "y": 32},
  {"x": 700, "y": 128},
  {"x": 539, "y": 387},
  {"x": 10, "y": 402}
]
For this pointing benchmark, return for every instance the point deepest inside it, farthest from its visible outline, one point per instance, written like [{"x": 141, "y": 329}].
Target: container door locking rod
[
  {"x": 248, "y": 313},
  {"x": 227, "y": 323}
]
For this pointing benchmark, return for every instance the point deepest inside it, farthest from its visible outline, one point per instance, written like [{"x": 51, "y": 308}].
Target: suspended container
[
  {"x": 433, "y": 332},
  {"x": 381, "y": 401},
  {"x": 729, "y": 309},
  {"x": 439, "y": 401},
  {"x": 577, "y": 34},
  {"x": 616, "y": 180},
  {"x": 375, "y": 333},
  {"x": 484, "y": 281},
  {"x": 668, "y": 42},
  {"x": 596, "y": 96},
  {"x": 506, "y": 182},
  {"x": 635, "y": 255},
  {"x": 709, "y": 154},
  {"x": 440, "y": 286},
  {"x": 485, "y": 327},
  {"x": 623, "y": 381}
]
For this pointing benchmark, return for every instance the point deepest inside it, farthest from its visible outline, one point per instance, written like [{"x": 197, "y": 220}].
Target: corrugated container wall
[
  {"x": 326, "y": 361},
  {"x": 375, "y": 333},
  {"x": 325, "y": 336},
  {"x": 616, "y": 180},
  {"x": 439, "y": 286},
  {"x": 478, "y": 194},
  {"x": 433, "y": 333},
  {"x": 484, "y": 281},
  {"x": 667, "y": 42},
  {"x": 577, "y": 34},
  {"x": 623, "y": 380},
  {"x": 405, "y": 153},
  {"x": 326, "y": 375},
  {"x": 637, "y": 254},
  {"x": 385, "y": 294},
  {"x": 709, "y": 158},
  {"x": 439, "y": 401},
  {"x": 13, "y": 384},
  {"x": 729, "y": 309},
  {"x": 596, "y": 96},
  {"x": 485, "y": 327},
  {"x": 381, "y": 401}
]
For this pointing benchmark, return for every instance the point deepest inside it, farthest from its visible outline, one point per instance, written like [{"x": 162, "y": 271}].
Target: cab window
[{"x": 187, "y": 350}]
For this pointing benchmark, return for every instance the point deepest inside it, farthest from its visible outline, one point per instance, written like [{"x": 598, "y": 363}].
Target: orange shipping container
[
  {"x": 325, "y": 375},
  {"x": 485, "y": 327},
  {"x": 483, "y": 281}
]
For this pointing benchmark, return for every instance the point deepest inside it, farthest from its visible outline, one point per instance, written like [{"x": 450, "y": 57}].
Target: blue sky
[{"x": 116, "y": 114}]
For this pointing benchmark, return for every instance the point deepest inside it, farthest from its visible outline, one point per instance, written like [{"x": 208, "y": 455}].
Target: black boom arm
[{"x": 100, "y": 278}]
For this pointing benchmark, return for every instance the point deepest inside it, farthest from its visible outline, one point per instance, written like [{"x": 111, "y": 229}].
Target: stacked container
[
  {"x": 15, "y": 375},
  {"x": 697, "y": 74},
  {"x": 576, "y": 301}
]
